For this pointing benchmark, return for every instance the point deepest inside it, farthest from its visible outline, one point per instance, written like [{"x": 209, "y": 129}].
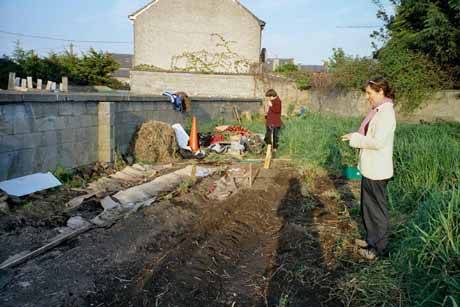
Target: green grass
[
  {"x": 315, "y": 140},
  {"x": 424, "y": 201}
]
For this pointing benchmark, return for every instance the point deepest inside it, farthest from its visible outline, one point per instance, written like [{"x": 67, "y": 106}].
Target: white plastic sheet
[{"x": 29, "y": 184}]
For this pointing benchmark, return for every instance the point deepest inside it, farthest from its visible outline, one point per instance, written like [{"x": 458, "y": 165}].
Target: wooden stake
[
  {"x": 268, "y": 157},
  {"x": 237, "y": 115},
  {"x": 250, "y": 175}
]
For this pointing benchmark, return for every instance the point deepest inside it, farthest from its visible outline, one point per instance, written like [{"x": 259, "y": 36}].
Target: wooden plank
[{"x": 57, "y": 241}]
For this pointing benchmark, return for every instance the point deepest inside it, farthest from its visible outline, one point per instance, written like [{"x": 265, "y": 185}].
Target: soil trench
[{"x": 269, "y": 245}]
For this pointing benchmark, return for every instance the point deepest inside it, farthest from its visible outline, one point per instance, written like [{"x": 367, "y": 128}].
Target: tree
[
  {"x": 351, "y": 72},
  {"x": 96, "y": 67},
  {"x": 91, "y": 68},
  {"x": 7, "y": 65},
  {"x": 429, "y": 27}
]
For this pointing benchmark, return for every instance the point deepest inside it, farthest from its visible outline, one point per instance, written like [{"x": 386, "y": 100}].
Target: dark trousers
[
  {"x": 268, "y": 136},
  {"x": 374, "y": 213}
]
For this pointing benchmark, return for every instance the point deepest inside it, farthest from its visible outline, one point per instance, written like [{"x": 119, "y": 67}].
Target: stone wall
[
  {"x": 39, "y": 132},
  {"x": 444, "y": 105},
  {"x": 194, "y": 84}
]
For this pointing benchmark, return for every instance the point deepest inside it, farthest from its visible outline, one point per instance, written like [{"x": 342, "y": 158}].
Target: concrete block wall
[
  {"x": 38, "y": 136},
  {"x": 39, "y": 132},
  {"x": 128, "y": 116}
]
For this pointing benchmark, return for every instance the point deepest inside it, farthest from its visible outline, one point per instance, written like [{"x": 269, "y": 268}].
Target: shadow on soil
[{"x": 300, "y": 276}]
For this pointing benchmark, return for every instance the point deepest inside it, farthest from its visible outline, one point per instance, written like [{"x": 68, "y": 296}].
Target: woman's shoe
[
  {"x": 368, "y": 253},
  {"x": 361, "y": 243}
]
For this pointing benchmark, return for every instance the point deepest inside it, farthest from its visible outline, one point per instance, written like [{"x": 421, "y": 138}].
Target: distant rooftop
[
  {"x": 313, "y": 68},
  {"x": 125, "y": 60}
]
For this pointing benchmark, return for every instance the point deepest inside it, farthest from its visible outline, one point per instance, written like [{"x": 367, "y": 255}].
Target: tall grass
[
  {"x": 315, "y": 139},
  {"x": 425, "y": 250}
]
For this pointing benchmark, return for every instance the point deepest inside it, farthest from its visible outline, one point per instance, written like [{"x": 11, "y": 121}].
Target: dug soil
[{"x": 277, "y": 243}]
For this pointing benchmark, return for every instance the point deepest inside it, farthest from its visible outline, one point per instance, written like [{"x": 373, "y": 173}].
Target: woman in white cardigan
[{"x": 375, "y": 141}]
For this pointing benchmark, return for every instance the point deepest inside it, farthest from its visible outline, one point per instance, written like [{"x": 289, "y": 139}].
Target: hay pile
[{"x": 155, "y": 142}]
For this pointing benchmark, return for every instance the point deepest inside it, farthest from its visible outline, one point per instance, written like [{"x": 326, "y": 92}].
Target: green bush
[
  {"x": 351, "y": 72},
  {"x": 91, "y": 68},
  {"x": 413, "y": 76},
  {"x": 302, "y": 79},
  {"x": 286, "y": 68}
]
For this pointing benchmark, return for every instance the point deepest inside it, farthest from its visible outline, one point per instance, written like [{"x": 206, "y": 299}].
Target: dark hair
[
  {"x": 271, "y": 93},
  {"x": 381, "y": 83}
]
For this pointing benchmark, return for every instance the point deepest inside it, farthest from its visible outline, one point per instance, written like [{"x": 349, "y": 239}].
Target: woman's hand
[{"x": 346, "y": 137}]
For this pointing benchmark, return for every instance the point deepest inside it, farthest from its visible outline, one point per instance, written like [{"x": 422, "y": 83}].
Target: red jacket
[{"x": 273, "y": 118}]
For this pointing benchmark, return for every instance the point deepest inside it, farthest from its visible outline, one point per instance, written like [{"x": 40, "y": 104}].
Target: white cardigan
[{"x": 376, "y": 155}]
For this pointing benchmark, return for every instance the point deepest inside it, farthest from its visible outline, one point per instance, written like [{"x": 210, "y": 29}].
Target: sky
[{"x": 306, "y": 30}]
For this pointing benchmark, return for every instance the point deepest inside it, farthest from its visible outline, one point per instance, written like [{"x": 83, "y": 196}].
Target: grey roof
[
  {"x": 121, "y": 73},
  {"x": 139, "y": 11},
  {"x": 281, "y": 60},
  {"x": 125, "y": 60},
  {"x": 313, "y": 68}
]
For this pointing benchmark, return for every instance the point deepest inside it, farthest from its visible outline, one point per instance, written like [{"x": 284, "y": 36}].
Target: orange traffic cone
[{"x": 194, "y": 144}]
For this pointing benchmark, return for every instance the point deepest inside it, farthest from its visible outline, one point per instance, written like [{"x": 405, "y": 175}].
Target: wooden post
[{"x": 11, "y": 81}]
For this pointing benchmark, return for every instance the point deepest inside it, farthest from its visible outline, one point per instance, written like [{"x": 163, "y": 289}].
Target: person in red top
[{"x": 272, "y": 118}]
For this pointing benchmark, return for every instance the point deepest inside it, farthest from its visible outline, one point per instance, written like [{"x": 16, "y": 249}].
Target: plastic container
[{"x": 351, "y": 173}]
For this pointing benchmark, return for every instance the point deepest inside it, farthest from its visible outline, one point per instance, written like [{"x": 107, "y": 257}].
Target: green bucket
[{"x": 351, "y": 173}]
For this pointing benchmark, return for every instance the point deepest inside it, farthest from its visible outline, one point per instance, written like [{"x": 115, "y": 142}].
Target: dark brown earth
[{"x": 276, "y": 244}]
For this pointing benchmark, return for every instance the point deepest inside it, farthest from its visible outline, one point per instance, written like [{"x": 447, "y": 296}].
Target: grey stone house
[{"x": 197, "y": 36}]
